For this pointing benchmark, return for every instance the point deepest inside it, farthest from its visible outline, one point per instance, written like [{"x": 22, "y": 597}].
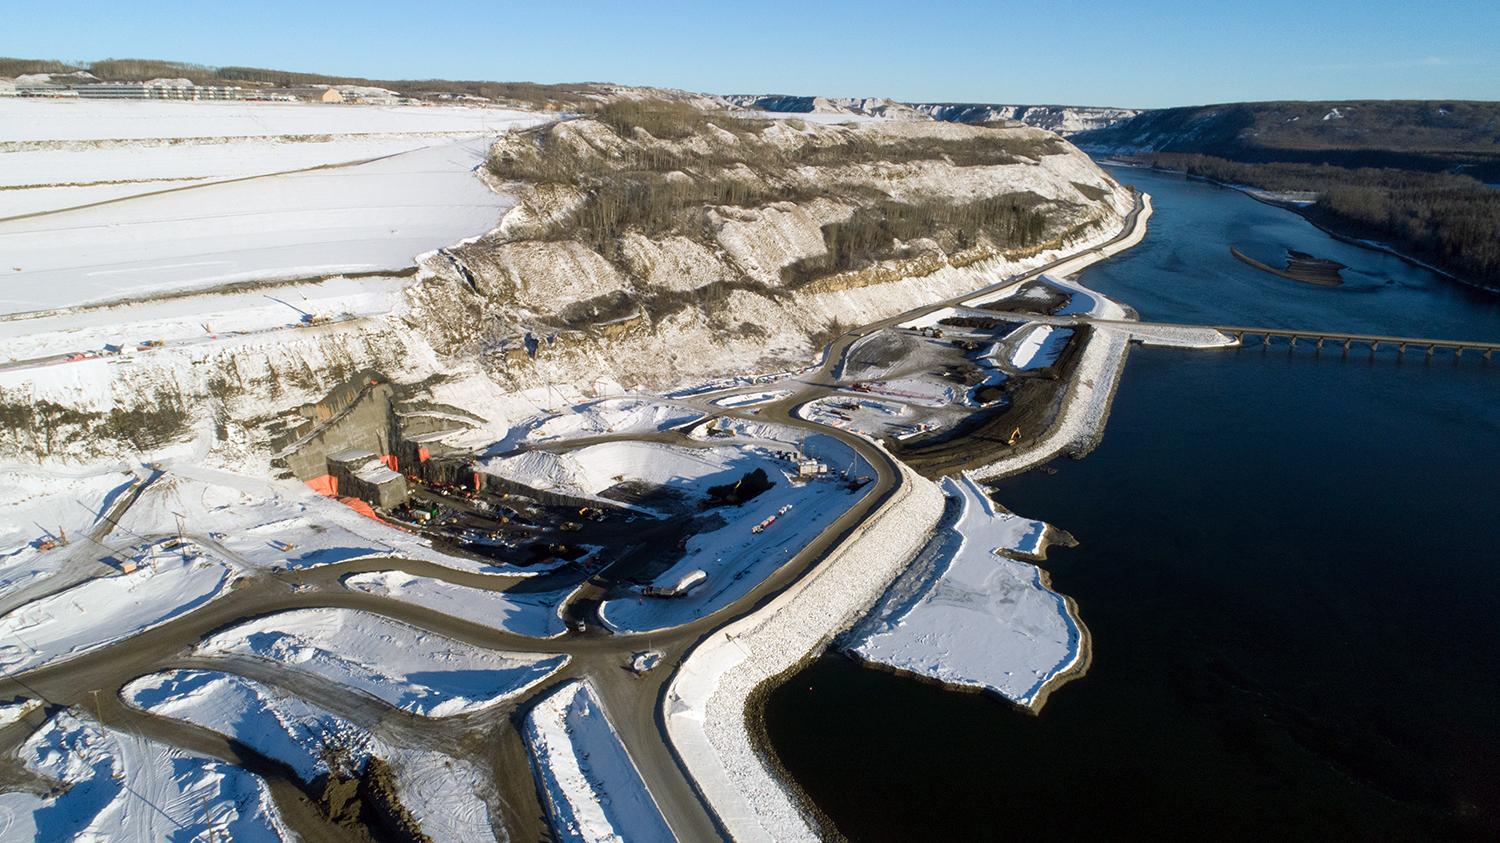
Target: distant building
[
  {"x": 331, "y": 95},
  {"x": 140, "y": 91}
]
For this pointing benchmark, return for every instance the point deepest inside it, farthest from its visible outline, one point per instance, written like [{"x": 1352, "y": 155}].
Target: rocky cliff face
[{"x": 1065, "y": 120}]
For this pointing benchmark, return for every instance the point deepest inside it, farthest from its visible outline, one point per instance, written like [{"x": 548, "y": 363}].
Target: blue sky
[{"x": 1146, "y": 53}]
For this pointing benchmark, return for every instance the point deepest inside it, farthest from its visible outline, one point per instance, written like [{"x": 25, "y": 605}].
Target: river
[{"x": 1288, "y": 563}]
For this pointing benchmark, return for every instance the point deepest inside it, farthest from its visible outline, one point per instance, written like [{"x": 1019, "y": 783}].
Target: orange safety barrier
[{"x": 391, "y": 462}]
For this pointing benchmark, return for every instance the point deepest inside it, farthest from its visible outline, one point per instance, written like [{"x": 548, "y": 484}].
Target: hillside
[
  {"x": 659, "y": 244},
  {"x": 1065, "y": 120},
  {"x": 555, "y": 97},
  {"x": 1411, "y": 135}
]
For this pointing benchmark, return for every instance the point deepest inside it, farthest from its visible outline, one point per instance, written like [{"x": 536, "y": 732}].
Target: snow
[
  {"x": 373, "y": 216},
  {"x": 1040, "y": 346},
  {"x": 275, "y": 724},
  {"x": 409, "y": 668},
  {"x": 445, "y": 794},
  {"x": 613, "y": 415},
  {"x": 37, "y": 505},
  {"x": 735, "y": 558},
  {"x": 705, "y": 706},
  {"x": 13, "y": 712},
  {"x": 253, "y": 521},
  {"x": 588, "y": 471},
  {"x": 973, "y": 616},
  {"x": 120, "y": 787},
  {"x": 590, "y": 786},
  {"x": 102, "y": 611},
  {"x": 750, "y": 399},
  {"x": 49, "y": 120},
  {"x": 534, "y": 614}
]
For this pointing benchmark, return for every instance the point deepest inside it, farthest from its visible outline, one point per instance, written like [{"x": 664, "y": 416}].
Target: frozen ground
[
  {"x": 733, "y": 556},
  {"x": 591, "y": 788},
  {"x": 275, "y": 724},
  {"x": 85, "y": 120},
  {"x": 628, "y": 414},
  {"x": 365, "y": 217},
  {"x": 193, "y": 319},
  {"x": 265, "y": 524},
  {"x": 970, "y": 615},
  {"x": 751, "y": 399},
  {"x": 38, "y": 505},
  {"x": 591, "y": 470},
  {"x": 409, "y": 668},
  {"x": 119, "y": 787},
  {"x": 531, "y": 614},
  {"x": 444, "y": 793},
  {"x": 110, "y": 608},
  {"x": 1039, "y": 346}
]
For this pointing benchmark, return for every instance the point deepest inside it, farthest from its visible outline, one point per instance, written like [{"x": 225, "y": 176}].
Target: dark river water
[{"x": 1289, "y": 564}]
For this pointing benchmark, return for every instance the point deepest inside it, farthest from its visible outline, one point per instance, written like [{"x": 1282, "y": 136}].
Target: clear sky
[{"x": 1089, "y": 52}]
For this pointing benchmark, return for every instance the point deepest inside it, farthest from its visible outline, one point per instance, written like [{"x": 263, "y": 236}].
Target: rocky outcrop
[{"x": 1065, "y": 120}]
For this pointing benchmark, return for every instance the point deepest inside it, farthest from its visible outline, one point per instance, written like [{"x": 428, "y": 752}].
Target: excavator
[{"x": 1015, "y": 436}]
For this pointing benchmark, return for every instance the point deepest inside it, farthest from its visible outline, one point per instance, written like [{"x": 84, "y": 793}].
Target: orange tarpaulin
[
  {"x": 325, "y": 484},
  {"x": 361, "y": 507},
  {"x": 391, "y": 462}
]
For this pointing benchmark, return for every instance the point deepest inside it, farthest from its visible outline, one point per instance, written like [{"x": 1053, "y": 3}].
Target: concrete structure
[
  {"x": 331, "y": 95},
  {"x": 1373, "y": 341},
  {"x": 365, "y": 475},
  {"x": 143, "y": 91}
]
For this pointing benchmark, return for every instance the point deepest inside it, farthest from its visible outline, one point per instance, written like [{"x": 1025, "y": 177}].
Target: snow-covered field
[
  {"x": 365, "y": 217},
  {"x": 442, "y": 792},
  {"x": 526, "y": 613},
  {"x": 274, "y": 724},
  {"x": 591, "y": 787},
  {"x": 409, "y": 668},
  {"x": 734, "y": 557},
  {"x": 973, "y": 616},
  {"x": 109, "y": 609},
  {"x": 120, "y": 787},
  {"x": 60, "y": 120}
]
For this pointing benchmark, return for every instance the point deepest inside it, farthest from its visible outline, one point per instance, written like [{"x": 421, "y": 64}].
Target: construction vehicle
[{"x": 1015, "y": 436}]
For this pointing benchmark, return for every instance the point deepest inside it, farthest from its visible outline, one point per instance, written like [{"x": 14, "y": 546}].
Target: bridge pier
[
  {"x": 1294, "y": 341},
  {"x": 1431, "y": 349},
  {"x": 1374, "y": 347},
  {"x": 1458, "y": 353},
  {"x": 1266, "y": 340},
  {"x": 1320, "y": 343},
  {"x": 1346, "y": 347},
  {"x": 1401, "y": 350},
  {"x": 1487, "y": 354}
]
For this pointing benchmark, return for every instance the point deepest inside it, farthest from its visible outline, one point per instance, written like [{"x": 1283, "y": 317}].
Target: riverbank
[
  {"x": 1307, "y": 211},
  {"x": 705, "y": 705}
]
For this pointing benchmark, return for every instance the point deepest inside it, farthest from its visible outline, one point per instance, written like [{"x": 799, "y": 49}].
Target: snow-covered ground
[
  {"x": 734, "y": 557},
  {"x": 1040, "y": 346},
  {"x": 409, "y": 668},
  {"x": 630, "y": 414},
  {"x": 750, "y": 399},
  {"x": 81, "y": 120},
  {"x": 111, "y": 608},
  {"x": 39, "y": 505},
  {"x": 971, "y": 615},
  {"x": 442, "y": 792},
  {"x": 588, "y": 471},
  {"x": 266, "y": 523},
  {"x": 195, "y": 319},
  {"x": 275, "y": 724},
  {"x": 120, "y": 787},
  {"x": 524, "y": 613},
  {"x": 590, "y": 786},
  {"x": 364, "y": 217}
]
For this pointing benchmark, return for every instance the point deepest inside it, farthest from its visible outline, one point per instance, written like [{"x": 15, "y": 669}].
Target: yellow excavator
[{"x": 1015, "y": 436}]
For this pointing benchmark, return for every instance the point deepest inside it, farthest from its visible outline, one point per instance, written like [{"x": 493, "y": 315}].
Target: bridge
[{"x": 1347, "y": 341}]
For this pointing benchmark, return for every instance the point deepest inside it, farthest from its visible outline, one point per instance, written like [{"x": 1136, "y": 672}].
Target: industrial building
[
  {"x": 367, "y": 476},
  {"x": 134, "y": 91}
]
